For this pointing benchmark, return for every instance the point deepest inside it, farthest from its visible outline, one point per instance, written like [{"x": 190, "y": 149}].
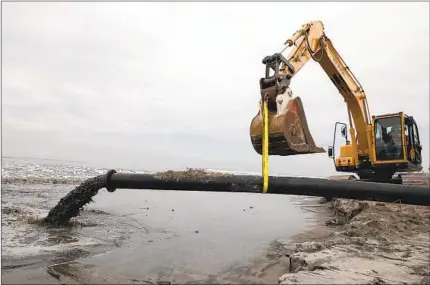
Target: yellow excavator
[{"x": 379, "y": 147}]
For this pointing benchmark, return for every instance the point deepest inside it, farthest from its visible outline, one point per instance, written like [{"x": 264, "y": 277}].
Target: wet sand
[
  {"x": 365, "y": 243},
  {"x": 133, "y": 236},
  {"x": 350, "y": 242}
]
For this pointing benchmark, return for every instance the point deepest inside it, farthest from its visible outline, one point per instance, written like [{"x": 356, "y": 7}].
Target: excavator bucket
[{"x": 288, "y": 130}]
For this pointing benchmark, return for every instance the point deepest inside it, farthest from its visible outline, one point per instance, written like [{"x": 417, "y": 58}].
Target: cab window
[
  {"x": 388, "y": 138},
  {"x": 416, "y": 136}
]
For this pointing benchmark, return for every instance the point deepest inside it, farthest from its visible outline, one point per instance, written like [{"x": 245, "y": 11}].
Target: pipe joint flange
[{"x": 108, "y": 176}]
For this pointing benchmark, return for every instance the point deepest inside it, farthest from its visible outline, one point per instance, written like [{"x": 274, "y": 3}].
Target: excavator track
[{"x": 419, "y": 179}]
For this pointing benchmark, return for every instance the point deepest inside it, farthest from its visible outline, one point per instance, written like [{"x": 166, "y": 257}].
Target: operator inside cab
[{"x": 395, "y": 146}]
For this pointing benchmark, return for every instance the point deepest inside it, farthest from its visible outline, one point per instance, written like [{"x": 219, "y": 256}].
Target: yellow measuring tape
[{"x": 265, "y": 145}]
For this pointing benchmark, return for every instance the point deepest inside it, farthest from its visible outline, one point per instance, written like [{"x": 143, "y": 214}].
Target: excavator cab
[
  {"x": 397, "y": 147},
  {"x": 288, "y": 129},
  {"x": 397, "y": 142}
]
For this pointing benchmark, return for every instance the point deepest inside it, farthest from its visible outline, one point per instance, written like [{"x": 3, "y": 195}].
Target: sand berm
[{"x": 365, "y": 243}]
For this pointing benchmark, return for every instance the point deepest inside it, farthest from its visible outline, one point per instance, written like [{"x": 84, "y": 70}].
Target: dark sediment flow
[{"x": 70, "y": 206}]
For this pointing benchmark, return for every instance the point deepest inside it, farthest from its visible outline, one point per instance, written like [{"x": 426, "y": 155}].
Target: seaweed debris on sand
[
  {"x": 194, "y": 173},
  {"x": 370, "y": 242}
]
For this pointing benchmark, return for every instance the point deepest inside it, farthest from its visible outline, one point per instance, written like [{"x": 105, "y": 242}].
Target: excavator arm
[{"x": 288, "y": 130}]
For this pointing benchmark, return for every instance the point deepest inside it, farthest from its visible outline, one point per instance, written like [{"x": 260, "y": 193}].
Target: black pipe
[{"x": 277, "y": 185}]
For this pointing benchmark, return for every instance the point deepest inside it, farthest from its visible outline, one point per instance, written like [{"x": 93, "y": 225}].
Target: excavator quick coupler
[
  {"x": 288, "y": 129},
  {"x": 272, "y": 85}
]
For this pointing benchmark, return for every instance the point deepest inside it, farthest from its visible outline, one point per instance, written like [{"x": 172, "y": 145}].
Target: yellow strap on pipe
[{"x": 265, "y": 145}]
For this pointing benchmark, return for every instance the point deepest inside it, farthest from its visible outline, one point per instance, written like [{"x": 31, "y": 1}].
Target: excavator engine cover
[{"x": 288, "y": 131}]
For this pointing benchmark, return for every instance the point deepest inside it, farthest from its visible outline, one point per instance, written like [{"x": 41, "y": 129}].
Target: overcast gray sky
[{"x": 174, "y": 85}]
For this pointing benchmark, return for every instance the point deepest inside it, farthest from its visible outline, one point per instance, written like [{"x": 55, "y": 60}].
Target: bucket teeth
[{"x": 288, "y": 132}]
